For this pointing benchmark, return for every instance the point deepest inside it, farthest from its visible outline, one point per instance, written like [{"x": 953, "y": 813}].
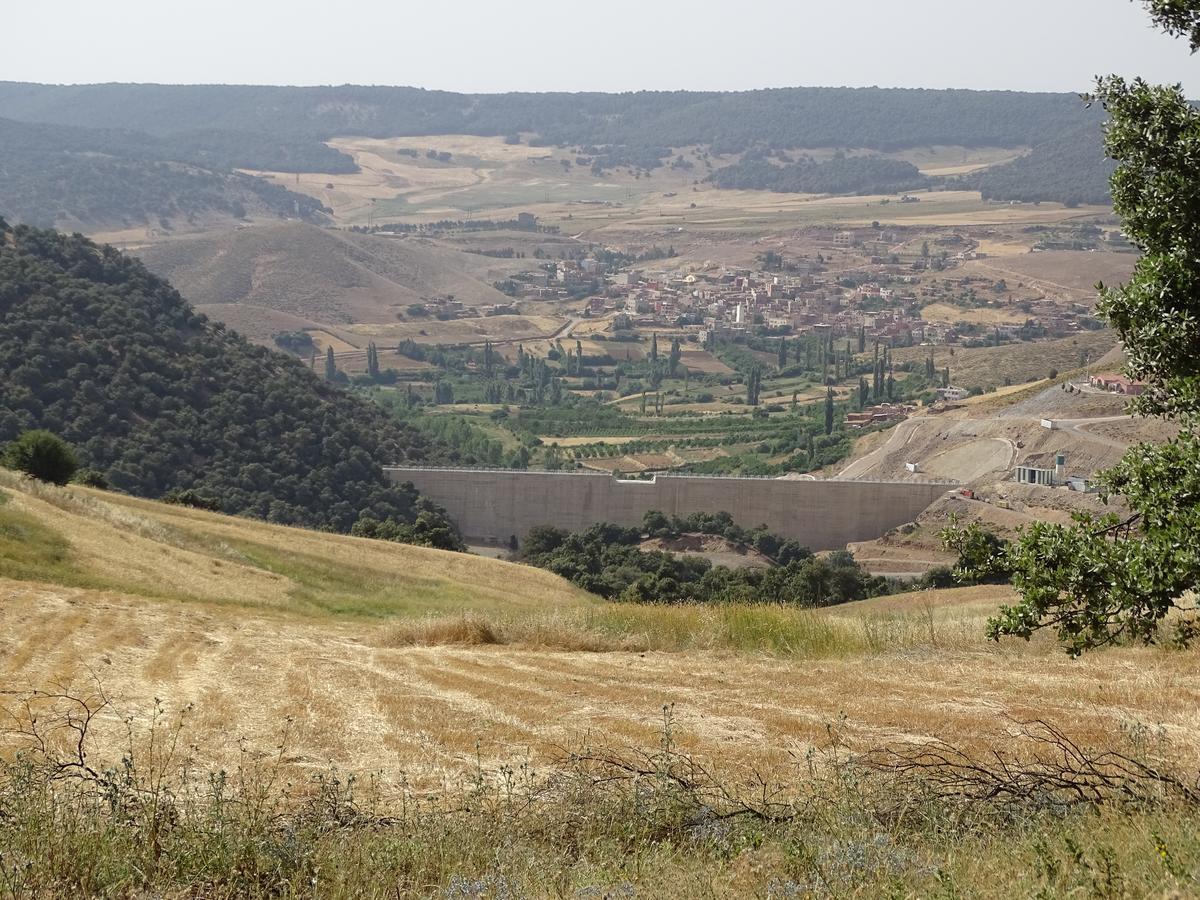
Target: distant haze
[{"x": 619, "y": 45}]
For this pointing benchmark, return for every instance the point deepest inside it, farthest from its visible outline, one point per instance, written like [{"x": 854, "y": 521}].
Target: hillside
[
  {"x": 350, "y": 711},
  {"x": 283, "y": 129},
  {"x": 1069, "y": 168},
  {"x": 92, "y": 179},
  {"x": 388, "y": 657},
  {"x": 157, "y": 397},
  {"x": 980, "y": 442},
  {"x": 879, "y": 118},
  {"x": 317, "y": 275}
]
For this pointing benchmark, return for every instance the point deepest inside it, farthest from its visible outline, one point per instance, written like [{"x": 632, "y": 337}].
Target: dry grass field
[
  {"x": 303, "y": 275},
  {"x": 988, "y": 367},
  {"x": 1063, "y": 274},
  {"x": 390, "y": 658},
  {"x": 947, "y": 312},
  {"x": 512, "y": 736},
  {"x": 488, "y": 177}
]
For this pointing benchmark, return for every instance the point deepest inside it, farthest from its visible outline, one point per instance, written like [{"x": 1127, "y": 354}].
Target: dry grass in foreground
[
  {"x": 514, "y": 737},
  {"x": 1043, "y": 817}
]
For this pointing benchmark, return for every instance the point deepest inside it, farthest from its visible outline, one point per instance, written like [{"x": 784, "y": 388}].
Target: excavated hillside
[{"x": 980, "y": 443}]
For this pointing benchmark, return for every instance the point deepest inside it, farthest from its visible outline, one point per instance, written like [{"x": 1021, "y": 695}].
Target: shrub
[
  {"x": 42, "y": 455},
  {"x": 93, "y": 478},
  {"x": 193, "y": 498}
]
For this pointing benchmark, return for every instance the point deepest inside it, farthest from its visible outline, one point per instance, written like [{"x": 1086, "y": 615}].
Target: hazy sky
[{"x": 612, "y": 45}]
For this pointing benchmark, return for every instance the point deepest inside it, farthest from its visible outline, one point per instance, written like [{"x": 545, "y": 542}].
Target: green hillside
[
  {"x": 106, "y": 178},
  {"x": 158, "y": 398},
  {"x": 282, "y": 128},
  {"x": 1070, "y": 168}
]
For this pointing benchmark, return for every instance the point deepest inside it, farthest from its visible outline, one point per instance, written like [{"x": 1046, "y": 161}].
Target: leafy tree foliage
[
  {"x": 1105, "y": 579},
  {"x": 1178, "y": 18},
  {"x": 156, "y": 397},
  {"x": 430, "y": 528},
  {"x": 42, "y": 455},
  {"x": 605, "y": 559},
  {"x": 840, "y": 175},
  {"x": 1070, "y": 168}
]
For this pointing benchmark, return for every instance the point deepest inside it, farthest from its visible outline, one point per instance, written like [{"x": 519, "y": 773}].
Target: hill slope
[
  {"x": 99, "y": 540},
  {"x": 95, "y": 178},
  {"x": 319, "y": 275},
  {"x": 878, "y": 118},
  {"x": 328, "y": 633},
  {"x": 283, "y": 129},
  {"x": 1070, "y": 168},
  {"x": 95, "y": 348}
]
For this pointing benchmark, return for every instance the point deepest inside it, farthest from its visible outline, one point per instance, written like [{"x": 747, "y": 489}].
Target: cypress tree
[
  {"x": 372, "y": 360},
  {"x": 330, "y": 365}
]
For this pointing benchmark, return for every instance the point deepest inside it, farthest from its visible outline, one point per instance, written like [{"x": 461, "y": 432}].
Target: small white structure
[
  {"x": 913, "y": 467},
  {"x": 953, "y": 393},
  {"x": 1035, "y": 475},
  {"x": 1048, "y": 424}
]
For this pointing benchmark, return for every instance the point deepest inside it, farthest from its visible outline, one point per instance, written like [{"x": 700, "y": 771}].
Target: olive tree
[
  {"x": 1109, "y": 578},
  {"x": 42, "y": 455}
]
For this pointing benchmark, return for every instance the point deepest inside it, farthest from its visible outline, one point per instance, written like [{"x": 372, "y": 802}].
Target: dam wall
[{"x": 490, "y": 505}]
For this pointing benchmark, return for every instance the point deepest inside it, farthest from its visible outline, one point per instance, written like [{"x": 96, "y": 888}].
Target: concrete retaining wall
[{"x": 490, "y": 505}]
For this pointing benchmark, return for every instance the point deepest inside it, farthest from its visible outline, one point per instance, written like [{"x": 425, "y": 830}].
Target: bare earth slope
[
  {"x": 980, "y": 442},
  {"x": 295, "y": 273}
]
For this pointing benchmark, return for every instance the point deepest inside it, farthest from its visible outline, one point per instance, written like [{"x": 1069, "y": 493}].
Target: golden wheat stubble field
[{"x": 423, "y": 665}]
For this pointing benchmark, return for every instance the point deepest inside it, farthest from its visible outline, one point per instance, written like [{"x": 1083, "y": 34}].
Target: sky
[{"x": 614, "y": 45}]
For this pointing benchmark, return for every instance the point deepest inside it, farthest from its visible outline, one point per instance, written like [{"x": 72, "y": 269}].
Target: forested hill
[
  {"x": 874, "y": 118},
  {"x": 1071, "y": 169},
  {"x": 98, "y": 350},
  {"x": 108, "y": 178}
]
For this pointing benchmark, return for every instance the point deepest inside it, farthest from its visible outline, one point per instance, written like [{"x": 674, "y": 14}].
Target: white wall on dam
[{"x": 491, "y": 505}]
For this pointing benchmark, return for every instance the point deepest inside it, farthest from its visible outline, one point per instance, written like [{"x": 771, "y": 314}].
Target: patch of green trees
[{"x": 606, "y": 560}]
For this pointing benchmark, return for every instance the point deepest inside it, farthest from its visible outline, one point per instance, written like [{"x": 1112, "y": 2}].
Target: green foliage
[
  {"x": 1178, "y": 18},
  {"x": 53, "y": 172},
  {"x": 92, "y": 478},
  {"x": 1071, "y": 168},
  {"x": 982, "y": 556},
  {"x": 42, "y": 455},
  {"x": 606, "y": 560},
  {"x": 192, "y": 498},
  {"x": 1101, "y": 579},
  {"x": 431, "y": 528},
  {"x": 1155, "y": 133},
  {"x": 157, "y": 398},
  {"x": 840, "y": 175}
]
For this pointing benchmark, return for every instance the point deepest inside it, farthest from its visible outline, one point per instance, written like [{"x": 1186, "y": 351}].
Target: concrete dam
[{"x": 490, "y": 505}]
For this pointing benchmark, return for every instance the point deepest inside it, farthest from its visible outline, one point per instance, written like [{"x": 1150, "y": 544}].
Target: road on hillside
[
  {"x": 901, "y": 435},
  {"x": 1078, "y": 427}
]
